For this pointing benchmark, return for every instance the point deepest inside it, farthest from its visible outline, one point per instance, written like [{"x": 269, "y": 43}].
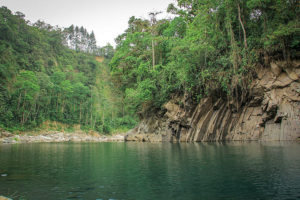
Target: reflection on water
[{"x": 235, "y": 170}]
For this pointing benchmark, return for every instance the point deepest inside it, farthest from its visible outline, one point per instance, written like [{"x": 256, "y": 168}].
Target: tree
[
  {"x": 153, "y": 23},
  {"x": 92, "y": 44},
  {"x": 27, "y": 90}
]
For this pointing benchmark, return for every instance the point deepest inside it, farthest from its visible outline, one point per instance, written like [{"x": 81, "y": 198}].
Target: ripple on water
[{"x": 242, "y": 171}]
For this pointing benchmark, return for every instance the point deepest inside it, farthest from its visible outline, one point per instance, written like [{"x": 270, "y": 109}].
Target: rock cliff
[{"x": 270, "y": 110}]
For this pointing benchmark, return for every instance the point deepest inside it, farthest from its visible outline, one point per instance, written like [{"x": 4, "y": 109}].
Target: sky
[{"x": 107, "y": 18}]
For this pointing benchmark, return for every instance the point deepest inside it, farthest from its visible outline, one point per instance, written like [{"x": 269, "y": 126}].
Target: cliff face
[{"x": 271, "y": 111}]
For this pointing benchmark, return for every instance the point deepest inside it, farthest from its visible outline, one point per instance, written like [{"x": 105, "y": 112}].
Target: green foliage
[
  {"x": 50, "y": 74},
  {"x": 207, "y": 48}
]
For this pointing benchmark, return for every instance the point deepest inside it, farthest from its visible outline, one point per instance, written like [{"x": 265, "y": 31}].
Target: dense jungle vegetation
[
  {"x": 52, "y": 74},
  {"x": 209, "y": 47}
]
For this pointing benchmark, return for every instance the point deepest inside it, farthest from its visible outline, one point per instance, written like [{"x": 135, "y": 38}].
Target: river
[{"x": 235, "y": 170}]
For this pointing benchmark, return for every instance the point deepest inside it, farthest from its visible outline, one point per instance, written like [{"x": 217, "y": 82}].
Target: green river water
[{"x": 235, "y": 170}]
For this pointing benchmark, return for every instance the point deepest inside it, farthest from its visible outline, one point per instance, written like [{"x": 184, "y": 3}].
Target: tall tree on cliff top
[{"x": 153, "y": 16}]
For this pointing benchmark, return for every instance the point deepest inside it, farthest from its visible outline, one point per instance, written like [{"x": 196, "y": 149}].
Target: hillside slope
[{"x": 51, "y": 74}]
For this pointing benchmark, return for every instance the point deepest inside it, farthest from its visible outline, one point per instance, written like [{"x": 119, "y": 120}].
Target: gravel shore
[{"x": 9, "y": 138}]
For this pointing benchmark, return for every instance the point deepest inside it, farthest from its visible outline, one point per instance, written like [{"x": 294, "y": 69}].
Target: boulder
[
  {"x": 276, "y": 69},
  {"x": 4, "y": 134}
]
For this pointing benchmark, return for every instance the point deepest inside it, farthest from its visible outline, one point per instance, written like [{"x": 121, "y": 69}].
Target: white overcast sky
[{"x": 108, "y": 18}]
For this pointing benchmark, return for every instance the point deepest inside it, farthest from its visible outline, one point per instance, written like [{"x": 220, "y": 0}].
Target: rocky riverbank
[
  {"x": 9, "y": 138},
  {"x": 268, "y": 109},
  {"x": 4, "y": 198}
]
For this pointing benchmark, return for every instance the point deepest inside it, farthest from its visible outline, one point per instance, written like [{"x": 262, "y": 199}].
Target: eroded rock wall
[{"x": 271, "y": 111}]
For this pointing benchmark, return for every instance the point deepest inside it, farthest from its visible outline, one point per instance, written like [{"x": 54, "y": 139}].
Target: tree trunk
[
  {"x": 79, "y": 112},
  {"x": 244, "y": 31},
  {"x": 19, "y": 101},
  {"x": 22, "y": 120},
  {"x": 23, "y": 114},
  {"x": 91, "y": 122},
  {"x": 36, "y": 113},
  {"x": 234, "y": 48},
  {"x": 86, "y": 118},
  {"x": 57, "y": 103},
  {"x": 103, "y": 115},
  {"x": 153, "y": 55},
  {"x": 123, "y": 107},
  {"x": 62, "y": 106}
]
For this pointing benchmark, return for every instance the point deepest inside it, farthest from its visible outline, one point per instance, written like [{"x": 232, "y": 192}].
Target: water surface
[{"x": 150, "y": 171}]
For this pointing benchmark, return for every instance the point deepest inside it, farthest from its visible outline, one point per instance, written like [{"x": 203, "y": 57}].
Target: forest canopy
[
  {"x": 51, "y": 74},
  {"x": 210, "y": 47}
]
